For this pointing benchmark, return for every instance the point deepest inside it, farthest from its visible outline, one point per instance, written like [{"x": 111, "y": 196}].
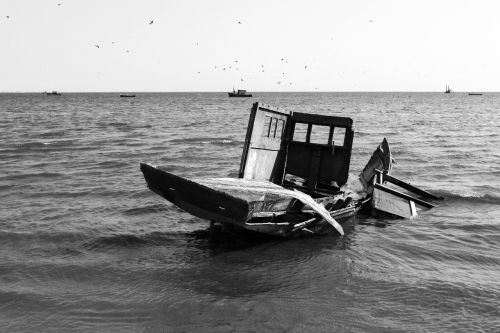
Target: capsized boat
[
  {"x": 292, "y": 179},
  {"x": 127, "y": 95}
]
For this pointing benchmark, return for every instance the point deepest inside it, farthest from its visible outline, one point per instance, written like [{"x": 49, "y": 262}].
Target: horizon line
[{"x": 253, "y": 91}]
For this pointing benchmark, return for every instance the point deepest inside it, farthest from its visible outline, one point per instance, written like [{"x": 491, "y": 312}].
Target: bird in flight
[
  {"x": 97, "y": 46},
  {"x": 239, "y": 22},
  {"x": 151, "y": 22}
]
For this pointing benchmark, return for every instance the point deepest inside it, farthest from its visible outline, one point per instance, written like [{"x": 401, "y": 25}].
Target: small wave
[
  {"x": 191, "y": 125},
  {"x": 31, "y": 176},
  {"x": 16, "y": 236},
  {"x": 60, "y": 194},
  {"x": 30, "y": 145},
  {"x": 145, "y": 210},
  {"x": 209, "y": 140},
  {"x": 52, "y": 134},
  {"x": 44, "y": 145},
  {"x": 112, "y": 164},
  {"x": 114, "y": 241},
  {"x": 232, "y": 143},
  {"x": 470, "y": 196},
  {"x": 129, "y": 240}
]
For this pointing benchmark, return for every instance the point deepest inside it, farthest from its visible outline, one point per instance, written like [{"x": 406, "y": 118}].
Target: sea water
[{"x": 86, "y": 247}]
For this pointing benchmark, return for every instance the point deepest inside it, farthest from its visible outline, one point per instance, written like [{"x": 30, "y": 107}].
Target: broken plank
[
  {"x": 411, "y": 188},
  {"x": 390, "y": 203},
  {"x": 404, "y": 196}
]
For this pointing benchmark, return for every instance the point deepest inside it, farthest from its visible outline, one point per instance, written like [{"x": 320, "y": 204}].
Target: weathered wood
[
  {"x": 404, "y": 196},
  {"x": 393, "y": 204},
  {"x": 305, "y": 224},
  {"x": 409, "y": 187},
  {"x": 380, "y": 159},
  {"x": 264, "y": 154},
  {"x": 318, "y": 119},
  {"x": 228, "y": 199},
  {"x": 330, "y": 136}
]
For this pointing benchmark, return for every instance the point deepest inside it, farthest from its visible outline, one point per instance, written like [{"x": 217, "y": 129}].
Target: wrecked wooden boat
[{"x": 292, "y": 178}]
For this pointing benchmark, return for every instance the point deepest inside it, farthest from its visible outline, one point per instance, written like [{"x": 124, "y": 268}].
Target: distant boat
[
  {"x": 239, "y": 93},
  {"x": 127, "y": 95},
  {"x": 448, "y": 90},
  {"x": 475, "y": 94},
  {"x": 53, "y": 93}
]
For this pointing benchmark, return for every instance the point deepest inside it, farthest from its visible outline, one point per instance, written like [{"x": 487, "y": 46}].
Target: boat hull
[
  {"x": 246, "y": 204},
  {"x": 195, "y": 198}
]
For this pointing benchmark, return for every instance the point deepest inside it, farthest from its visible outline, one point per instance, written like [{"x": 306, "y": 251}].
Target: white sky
[{"x": 346, "y": 45}]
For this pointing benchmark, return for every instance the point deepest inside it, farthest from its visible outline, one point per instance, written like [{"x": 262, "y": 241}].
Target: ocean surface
[{"x": 86, "y": 247}]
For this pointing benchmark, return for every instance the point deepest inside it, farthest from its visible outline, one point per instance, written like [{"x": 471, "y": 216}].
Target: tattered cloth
[{"x": 256, "y": 190}]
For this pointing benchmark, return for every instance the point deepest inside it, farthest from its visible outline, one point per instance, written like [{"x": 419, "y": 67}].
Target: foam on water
[{"x": 85, "y": 246}]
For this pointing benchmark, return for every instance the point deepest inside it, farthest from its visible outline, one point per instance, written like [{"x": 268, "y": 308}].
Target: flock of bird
[
  {"x": 227, "y": 67},
  {"x": 262, "y": 68},
  {"x": 223, "y": 68}
]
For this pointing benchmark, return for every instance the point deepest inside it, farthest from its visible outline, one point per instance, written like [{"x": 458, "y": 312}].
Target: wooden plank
[
  {"x": 308, "y": 118},
  {"x": 404, "y": 196},
  {"x": 411, "y": 188},
  {"x": 248, "y": 136},
  {"x": 264, "y": 154},
  {"x": 330, "y": 136},
  {"x": 393, "y": 204}
]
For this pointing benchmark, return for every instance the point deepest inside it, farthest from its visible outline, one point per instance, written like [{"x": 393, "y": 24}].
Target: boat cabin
[{"x": 308, "y": 152}]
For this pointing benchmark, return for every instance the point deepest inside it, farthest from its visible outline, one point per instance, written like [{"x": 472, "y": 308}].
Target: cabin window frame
[
  {"x": 271, "y": 129},
  {"x": 307, "y": 129}
]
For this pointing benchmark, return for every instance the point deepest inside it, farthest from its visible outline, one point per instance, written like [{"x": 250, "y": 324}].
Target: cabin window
[
  {"x": 279, "y": 128},
  {"x": 267, "y": 126},
  {"x": 300, "y": 132},
  {"x": 272, "y": 130},
  {"x": 273, "y": 127},
  {"x": 319, "y": 134},
  {"x": 338, "y": 136}
]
